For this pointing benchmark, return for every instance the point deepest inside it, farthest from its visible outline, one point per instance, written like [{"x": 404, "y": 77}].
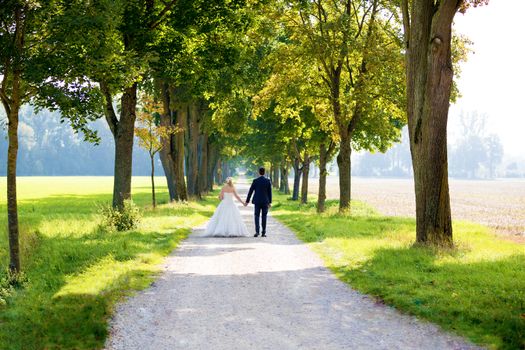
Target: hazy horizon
[{"x": 491, "y": 80}]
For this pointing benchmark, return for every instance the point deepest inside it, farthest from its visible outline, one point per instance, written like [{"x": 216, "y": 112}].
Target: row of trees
[
  {"x": 342, "y": 75},
  {"x": 321, "y": 77},
  {"x": 90, "y": 60}
]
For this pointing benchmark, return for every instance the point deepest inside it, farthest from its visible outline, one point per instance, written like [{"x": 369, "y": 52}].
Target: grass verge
[
  {"x": 476, "y": 290},
  {"x": 77, "y": 272}
]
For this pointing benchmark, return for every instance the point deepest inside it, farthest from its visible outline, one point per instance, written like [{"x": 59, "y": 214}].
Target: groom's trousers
[{"x": 258, "y": 209}]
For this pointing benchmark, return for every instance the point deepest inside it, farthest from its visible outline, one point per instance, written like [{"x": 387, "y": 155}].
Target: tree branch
[
  {"x": 296, "y": 151},
  {"x": 109, "y": 111},
  {"x": 406, "y": 22},
  {"x": 168, "y": 6},
  {"x": 3, "y": 95}
]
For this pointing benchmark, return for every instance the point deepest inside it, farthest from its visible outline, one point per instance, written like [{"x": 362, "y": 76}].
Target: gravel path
[{"x": 261, "y": 293}]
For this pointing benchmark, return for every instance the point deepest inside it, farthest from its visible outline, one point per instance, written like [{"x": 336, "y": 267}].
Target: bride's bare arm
[
  {"x": 221, "y": 195},
  {"x": 237, "y": 196}
]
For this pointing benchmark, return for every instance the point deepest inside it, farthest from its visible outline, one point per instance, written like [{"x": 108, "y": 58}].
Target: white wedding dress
[{"x": 227, "y": 220}]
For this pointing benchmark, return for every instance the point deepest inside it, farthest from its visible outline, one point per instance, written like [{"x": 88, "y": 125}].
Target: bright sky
[{"x": 492, "y": 80}]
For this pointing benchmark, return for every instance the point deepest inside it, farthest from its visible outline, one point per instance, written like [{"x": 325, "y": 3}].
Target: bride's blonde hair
[{"x": 229, "y": 181}]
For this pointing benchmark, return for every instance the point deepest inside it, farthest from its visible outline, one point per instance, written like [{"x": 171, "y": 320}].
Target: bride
[{"x": 227, "y": 220}]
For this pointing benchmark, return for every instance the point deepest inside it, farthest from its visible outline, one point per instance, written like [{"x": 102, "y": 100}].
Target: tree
[
  {"x": 150, "y": 132},
  {"x": 350, "y": 57},
  {"x": 326, "y": 152},
  {"x": 494, "y": 150},
  {"x": 200, "y": 69},
  {"x": 16, "y": 17},
  {"x": 110, "y": 43},
  {"x": 26, "y": 75},
  {"x": 429, "y": 72}
]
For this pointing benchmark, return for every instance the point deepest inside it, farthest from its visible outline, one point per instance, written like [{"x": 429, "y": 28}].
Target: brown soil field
[{"x": 499, "y": 204}]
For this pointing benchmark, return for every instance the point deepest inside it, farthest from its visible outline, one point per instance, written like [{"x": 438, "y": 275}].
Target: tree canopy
[{"x": 285, "y": 83}]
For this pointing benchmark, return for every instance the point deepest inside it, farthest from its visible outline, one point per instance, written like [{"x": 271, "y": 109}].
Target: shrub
[
  {"x": 8, "y": 283},
  {"x": 124, "y": 219}
]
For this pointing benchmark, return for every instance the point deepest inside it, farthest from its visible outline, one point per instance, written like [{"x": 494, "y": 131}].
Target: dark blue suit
[{"x": 261, "y": 199}]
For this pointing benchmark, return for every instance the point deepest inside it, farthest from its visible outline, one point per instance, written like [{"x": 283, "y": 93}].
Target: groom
[{"x": 262, "y": 199}]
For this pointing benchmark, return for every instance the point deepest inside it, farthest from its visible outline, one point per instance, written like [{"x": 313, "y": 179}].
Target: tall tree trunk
[
  {"x": 167, "y": 166},
  {"x": 203, "y": 167},
  {"x": 429, "y": 84},
  {"x": 225, "y": 171},
  {"x": 178, "y": 157},
  {"x": 212, "y": 164},
  {"x": 12, "y": 207},
  {"x": 344, "y": 165},
  {"x": 285, "y": 187},
  {"x": 219, "y": 175},
  {"x": 125, "y": 132},
  {"x": 306, "y": 172},
  {"x": 153, "y": 200},
  {"x": 343, "y": 158},
  {"x": 296, "y": 178},
  {"x": 323, "y": 159},
  {"x": 166, "y": 120},
  {"x": 275, "y": 180},
  {"x": 13, "y": 70},
  {"x": 193, "y": 144}
]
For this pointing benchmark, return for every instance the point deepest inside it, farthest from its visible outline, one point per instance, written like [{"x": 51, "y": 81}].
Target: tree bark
[
  {"x": 429, "y": 84},
  {"x": 165, "y": 153},
  {"x": 344, "y": 165},
  {"x": 306, "y": 172},
  {"x": 219, "y": 175},
  {"x": 321, "y": 198},
  {"x": 296, "y": 178},
  {"x": 212, "y": 164},
  {"x": 193, "y": 144},
  {"x": 12, "y": 108},
  {"x": 284, "y": 187},
  {"x": 12, "y": 206},
  {"x": 167, "y": 166},
  {"x": 203, "y": 167},
  {"x": 178, "y": 154},
  {"x": 325, "y": 155},
  {"x": 343, "y": 158},
  {"x": 275, "y": 180},
  {"x": 124, "y": 137}
]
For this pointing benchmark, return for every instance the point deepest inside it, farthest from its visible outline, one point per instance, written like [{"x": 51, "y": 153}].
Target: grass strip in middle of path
[{"x": 476, "y": 290}]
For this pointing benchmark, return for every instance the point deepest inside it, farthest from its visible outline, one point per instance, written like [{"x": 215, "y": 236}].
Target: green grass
[
  {"x": 476, "y": 290},
  {"x": 76, "y": 271}
]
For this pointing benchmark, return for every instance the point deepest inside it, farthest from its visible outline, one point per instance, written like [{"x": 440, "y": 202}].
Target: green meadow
[
  {"x": 75, "y": 270},
  {"x": 476, "y": 290}
]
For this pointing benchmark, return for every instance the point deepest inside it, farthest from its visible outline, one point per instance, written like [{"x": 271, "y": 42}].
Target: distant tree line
[
  {"x": 51, "y": 148},
  {"x": 474, "y": 155}
]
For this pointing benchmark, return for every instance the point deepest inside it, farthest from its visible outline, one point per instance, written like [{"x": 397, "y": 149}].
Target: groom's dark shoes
[
  {"x": 256, "y": 235},
  {"x": 263, "y": 235}
]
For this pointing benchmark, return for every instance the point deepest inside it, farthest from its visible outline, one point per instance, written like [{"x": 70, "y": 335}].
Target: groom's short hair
[{"x": 261, "y": 171}]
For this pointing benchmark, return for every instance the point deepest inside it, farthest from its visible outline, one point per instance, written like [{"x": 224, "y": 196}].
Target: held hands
[{"x": 245, "y": 204}]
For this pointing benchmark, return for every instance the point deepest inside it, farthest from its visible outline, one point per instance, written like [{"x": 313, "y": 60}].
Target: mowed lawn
[
  {"x": 476, "y": 290},
  {"x": 76, "y": 271}
]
